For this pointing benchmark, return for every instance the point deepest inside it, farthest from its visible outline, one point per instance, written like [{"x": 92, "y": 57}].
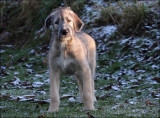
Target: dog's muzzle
[{"x": 64, "y": 32}]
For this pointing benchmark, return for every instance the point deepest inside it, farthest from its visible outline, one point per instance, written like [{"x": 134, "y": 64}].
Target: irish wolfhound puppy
[{"x": 72, "y": 52}]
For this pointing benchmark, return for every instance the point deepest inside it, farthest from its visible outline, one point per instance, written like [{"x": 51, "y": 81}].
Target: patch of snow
[
  {"x": 16, "y": 81},
  {"x": 102, "y": 31},
  {"x": 42, "y": 92},
  {"x": 140, "y": 71},
  {"x": 133, "y": 80},
  {"x": 37, "y": 84},
  {"x": 3, "y": 67},
  {"x": 2, "y": 51},
  {"x": 116, "y": 88},
  {"x": 2, "y": 107},
  {"x": 125, "y": 40},
  {"x": 16, "y": 73},
  {"x": 29, "y": 70},
  {"x": 38, "y": 75},
  {"x": 130, "y": 72},
  {"x": 109, "y": 29},
  {"x": 146, "y": 40},
  {"x": 8, "y": 46},
  {"x": 131, "y": 102},
  {"x": 65, "y": 95},
  {"x": 118, "y": 96},
  {"x": 155, "y": 66},
  {"x": 90, "y": 14},
  {"x": 154, "y": 82},
  {"x": 71, "y": 99},
  {"x": 46, "y": 81},
  {"x": 28, "y": 66},
  {"x": 32, "y": 51},
  {"x": 124, "y": 82}
]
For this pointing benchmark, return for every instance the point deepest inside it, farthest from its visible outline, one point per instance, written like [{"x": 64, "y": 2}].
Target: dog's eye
[
  {"x": 56, "y": 22},
  {"x": 68, "y": 20}
]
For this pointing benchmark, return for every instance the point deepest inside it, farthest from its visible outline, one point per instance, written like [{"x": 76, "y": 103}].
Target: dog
[{"x": 72, "y": 52}]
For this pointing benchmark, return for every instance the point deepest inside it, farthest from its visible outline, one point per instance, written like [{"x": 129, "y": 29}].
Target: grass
[
  {"x": 109, "y": 107},
  {"x": 135, "y": 95},
  {"x": 130, "y": 18}
]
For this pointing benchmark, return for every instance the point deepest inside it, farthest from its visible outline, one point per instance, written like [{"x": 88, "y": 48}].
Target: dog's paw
[{"x": 89, "y": 108}]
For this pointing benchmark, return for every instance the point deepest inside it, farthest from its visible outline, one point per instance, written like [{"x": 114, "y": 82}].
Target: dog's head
[{"x": 65, "y": 22}]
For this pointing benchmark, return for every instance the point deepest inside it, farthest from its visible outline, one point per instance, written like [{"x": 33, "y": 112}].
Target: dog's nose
[{"x": 64, "y": 31}]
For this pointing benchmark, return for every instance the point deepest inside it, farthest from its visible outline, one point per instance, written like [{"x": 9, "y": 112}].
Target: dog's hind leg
[
  {"x": 93, "y": 72},
  {"x": 80, "y": 87},
  {"x": 87, "y": 88}
]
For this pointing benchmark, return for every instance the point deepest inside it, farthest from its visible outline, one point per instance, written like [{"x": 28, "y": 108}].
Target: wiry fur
[{"x": 73, "y": 53}]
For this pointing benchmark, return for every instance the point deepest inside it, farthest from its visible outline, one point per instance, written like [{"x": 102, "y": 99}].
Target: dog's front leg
[
  {"x": 87, "y": 88},
  {"x": 54, "y": 90}
]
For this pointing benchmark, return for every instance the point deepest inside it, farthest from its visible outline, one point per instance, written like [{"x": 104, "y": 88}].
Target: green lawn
[{"x": 126, "y": 85}]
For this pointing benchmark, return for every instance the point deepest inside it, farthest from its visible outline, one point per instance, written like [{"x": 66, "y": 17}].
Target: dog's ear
[
  {"x": 48, "y": 21},
  {"x": 78, "y": 24}
]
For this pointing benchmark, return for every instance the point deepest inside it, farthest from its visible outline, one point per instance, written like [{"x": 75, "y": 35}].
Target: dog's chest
[{"x": 66, "y": 64}]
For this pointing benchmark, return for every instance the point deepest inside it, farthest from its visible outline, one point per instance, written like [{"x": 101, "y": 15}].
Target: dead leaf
[
  {"x": 4, "y": 35},
  {"x": 16, "y": 81},
  {"x": 101, "y": 109},
  {"x": 148, "y": 102},
  {"x": 5, "y": 86},
  {"x": 29, "y": 96},
  {"x": 24, "y": 59},
  {"x": 89, "y": 115},
  {"x": 155, "y": 95},
  {"x": 103, "y": 96},
  {"x": 126, "y": 101},
  {"x": 5, "y": 96},
  {"x": 41, "y": 116},
  {"x": 138, "y": 92},
  {"x": 3, "y": 71},
  {"x": 45, "y": 61},
  {"x": 26, "y": 83},
  {"x": 29, "y": 99},
  {"x": 108, "y": 87},
  {"x": 116, "y": 106},
  {"x": 66, "y": 96},
  {"x": 8, "y": 64},
  {"x": 41, "y": 101},
  {"x": 134, "y": 86},
  {"x": 157, "y": 79}
]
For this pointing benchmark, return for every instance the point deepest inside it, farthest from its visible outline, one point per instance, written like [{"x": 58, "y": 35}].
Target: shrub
[
  {"x": 21, "y": 19},
  {"x": 130, "y": 19},
  {"x": 78, "y": 6},
  {"x": 133, "y": 19},
  {"x": 109, "y": 15}
]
